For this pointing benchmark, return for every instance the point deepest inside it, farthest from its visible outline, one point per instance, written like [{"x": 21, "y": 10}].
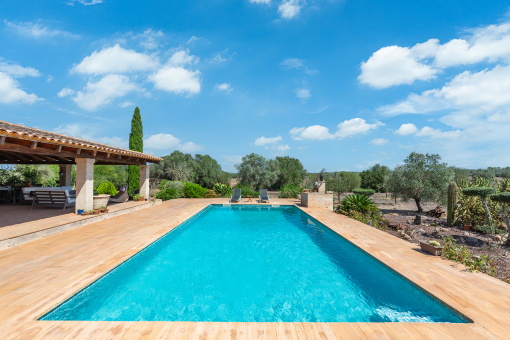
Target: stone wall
[{"x": 317, "y": 200}]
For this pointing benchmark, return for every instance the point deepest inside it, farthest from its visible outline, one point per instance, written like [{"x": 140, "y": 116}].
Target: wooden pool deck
[{"x": 37, "y": 276}]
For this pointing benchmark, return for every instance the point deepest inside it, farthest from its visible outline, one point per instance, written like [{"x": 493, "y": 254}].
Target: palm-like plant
[{"x": 359, "y": 203}]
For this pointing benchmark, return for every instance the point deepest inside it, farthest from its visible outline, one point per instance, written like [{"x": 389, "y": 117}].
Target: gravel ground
[{"x": 478, "y": 243}]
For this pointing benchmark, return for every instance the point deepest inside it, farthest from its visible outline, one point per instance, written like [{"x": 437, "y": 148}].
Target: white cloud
[
  {"x": 282, "y": 148},
  {"x": 65, "y": 92},
  {"x": 101, "y": 93},
  {"x": 10, "y": 93},
  {"x": 270, "y": 140},
  {"x": 481, "y": 91},
  {"x": 50, "y": 78},
  {"x": 406, "y": 129},
  {"x": 37, "y": 30},
  {"x": 115, "y": 60},
  {"x": 181, "y": 58},
  {"x": 88, "y": 132},
  {"x": 379, "y": 141},
  {"x": 437, "y": 133},
  {"x": 192, "y": 39},
  {"x": 265, "y": 2},
  {"x": 314, "y": 132},
  {"x": 289, "y": 8},
  {"x": 296, "y": 64},
  {"x": 18, "y": 70},
  {"x": 218, "y": 59},
  {"x": 126, "y": 104},
  {"x": 169, "y": 142},
  {"x": 224, "y": 87},
  {"x": 394, "y": 65},
  {"x": 346, "y": 128},
  {"x": 85, "y": 2},
  {"x": 149, "y": 39},
  {"x": 303, "y": 93},
  {"x": 177, "y": 80}
]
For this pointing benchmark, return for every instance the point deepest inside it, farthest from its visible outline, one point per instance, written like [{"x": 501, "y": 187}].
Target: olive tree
[
  {"x": 341, "y": 182},
  {"x": 504, "y": 199},
  {"x": 421, "y": 178},
  {"x": 291, "y": 172},
  {"x": 258, "y": 172}
]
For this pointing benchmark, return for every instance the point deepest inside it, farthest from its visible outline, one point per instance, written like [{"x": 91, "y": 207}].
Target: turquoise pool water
[{"x": 253, "y": 264}]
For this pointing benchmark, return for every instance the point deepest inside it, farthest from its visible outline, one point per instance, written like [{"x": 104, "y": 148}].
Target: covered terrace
[{"x": 24, "y": 145}]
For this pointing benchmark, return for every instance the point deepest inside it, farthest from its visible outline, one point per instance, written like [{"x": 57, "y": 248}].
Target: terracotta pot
[
  {"x": 467, "y": 227},
  {"x": 97, "y": 212},
  {"x": 29, "y": 184},
  {"x": 85, "y": 214},
  {"x": 436, "y": 251},
  {"x": 140, "y": 199},
  {"x": 306, "y": 190}
]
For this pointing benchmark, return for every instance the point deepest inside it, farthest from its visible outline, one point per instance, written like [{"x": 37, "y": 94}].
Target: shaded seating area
[
  {"x": 24, "y": 145},
  {"x": 52, "y": 197},
  {"x": 121, "y": 197}
]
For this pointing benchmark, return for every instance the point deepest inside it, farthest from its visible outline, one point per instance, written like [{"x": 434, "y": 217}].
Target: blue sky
[{"x": 339, "y": 84}]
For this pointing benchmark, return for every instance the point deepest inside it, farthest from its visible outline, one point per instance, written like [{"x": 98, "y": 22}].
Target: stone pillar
[
  {"x": 65, "y": 178},
  {"x": 84, "y": 183},
  {"x": 144, "y": 180},
  {"x": 322, "y": 187}
]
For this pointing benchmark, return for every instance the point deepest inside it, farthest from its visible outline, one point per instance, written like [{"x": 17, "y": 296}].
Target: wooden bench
[{"x": 52, "y": 197}]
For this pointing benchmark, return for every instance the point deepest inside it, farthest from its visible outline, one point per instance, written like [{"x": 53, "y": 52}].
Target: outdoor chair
[
  {"x": 121, "y": 197},
  {"x": 52, "y": 197},
  {"x": 236, "y": 196},
  {"x": 264, "y": 196}
]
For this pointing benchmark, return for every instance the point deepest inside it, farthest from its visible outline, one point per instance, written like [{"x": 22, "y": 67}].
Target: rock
[
  {"x": 496, "y": 238},
  {"x": 421, "y": 231},
  {"x": 503, "y": 227},
  {"x": 407, "y": 237},
  {"x": 410, "y": 232},
  {"x": 440, "y": 229},
  {"x": 465, "y": 233},
  {"x": 437, "y": 212},
  {"x": 435, "y": 234}
]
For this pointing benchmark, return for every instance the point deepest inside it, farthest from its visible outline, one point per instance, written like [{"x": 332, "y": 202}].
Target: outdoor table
[{"x": 249, "y": 198}]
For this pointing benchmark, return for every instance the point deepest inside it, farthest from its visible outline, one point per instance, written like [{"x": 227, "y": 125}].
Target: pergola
[{"x": 25, "y": 145}]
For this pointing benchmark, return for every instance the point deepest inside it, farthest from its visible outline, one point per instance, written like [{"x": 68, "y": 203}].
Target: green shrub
[
  {"x": 487, "y": 229},
  {"x": 366, "y": 192},
  {"x": 478, "y": 191},
  {"x": 223, "y": 190},
  {"x": 178, "y": 185},
  {"x": 192, "y": 190},
  {"x": 107, "y": 188},
  {"x": 434, "y": 243},
  {"x": 168, "y": 194},
  {"x": 289, "y": 191},
  {"x": 460, "y": 253},
  {"x": 247, "y": 191},
  {"x": 373, "y": 219},
  {"x": 162, "y": 184},
  {"x": 360, "y": 203}
]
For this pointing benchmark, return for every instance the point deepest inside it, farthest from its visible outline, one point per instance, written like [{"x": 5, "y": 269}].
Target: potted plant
[
  {"x": 137, "y": 197},
  {"x": 96, "y": 211},
  {"x": 432, "y": 247},
  {"x": 468, "y": 226},
  {"x": 80, "y": 211},
  {"x": 87, "y": 212},
  {"x": 103, "y": 209},
  {"x": 306, "y": 190}
]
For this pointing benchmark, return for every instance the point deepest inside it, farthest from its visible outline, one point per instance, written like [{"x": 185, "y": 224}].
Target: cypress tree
[{"x": 135, "y": 144}]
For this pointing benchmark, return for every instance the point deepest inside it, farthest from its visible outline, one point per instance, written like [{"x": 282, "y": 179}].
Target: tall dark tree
[
  {"x": 135, "y": 144},
  {"x": 291, "y": 172}
]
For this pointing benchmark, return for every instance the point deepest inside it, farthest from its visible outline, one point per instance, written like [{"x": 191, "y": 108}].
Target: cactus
[{"x": 452, "y": 203}]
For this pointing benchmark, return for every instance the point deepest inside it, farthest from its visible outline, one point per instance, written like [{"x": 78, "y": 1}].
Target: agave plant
[{"x": 359, "y": 203}]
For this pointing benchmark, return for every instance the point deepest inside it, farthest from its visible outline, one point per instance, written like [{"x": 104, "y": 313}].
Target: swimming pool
[{"x": 249, "y": 263}]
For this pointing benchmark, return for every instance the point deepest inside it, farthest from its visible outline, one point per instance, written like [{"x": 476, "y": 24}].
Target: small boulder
[
  {"x": 407, "y": 237},
  {"x": 421, "y": 231}
]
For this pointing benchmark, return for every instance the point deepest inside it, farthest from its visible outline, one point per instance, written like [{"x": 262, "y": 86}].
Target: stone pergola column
[
  {"x": 144, "y": 180},
  {"x": 84, "y": 183},
  {"x": 65, "y": 178}
]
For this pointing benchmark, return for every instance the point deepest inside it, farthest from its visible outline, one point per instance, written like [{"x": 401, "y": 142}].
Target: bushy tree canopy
[
  {"x": 116, "y": 174},
  {"x": 206, "y": 171},
  {"x": 257, "y": 171},
  {"x": 460, "y": 173},
  {"x": 421, "y": 178},
  {"x": 375, "y": 178},
  {"x": 341, "y": 182},
  {"x": 291, "y": 172}
]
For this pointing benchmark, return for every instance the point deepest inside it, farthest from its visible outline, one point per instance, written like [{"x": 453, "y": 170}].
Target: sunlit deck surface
[
  {"x": 19, "y": 220},
  {"x": 39, "y": 275}
]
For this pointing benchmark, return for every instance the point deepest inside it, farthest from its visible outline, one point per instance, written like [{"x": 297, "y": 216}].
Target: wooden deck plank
[{"x": 37, "y": 276}]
